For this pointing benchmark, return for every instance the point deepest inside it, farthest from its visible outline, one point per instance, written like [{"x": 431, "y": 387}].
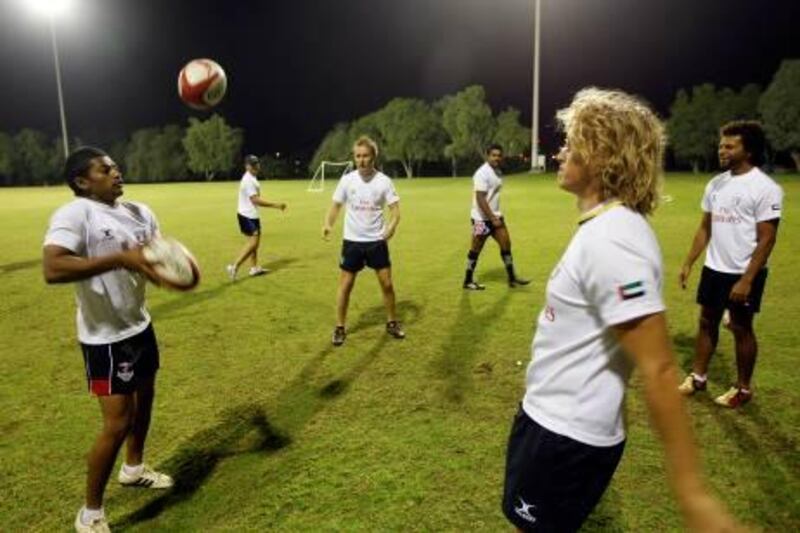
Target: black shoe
[
  {"x": 393, "y": 328},
  {"x": 473, "y": 286},
  {"x": 518, "y": 282},
  {"x": 339, "y": 335}
]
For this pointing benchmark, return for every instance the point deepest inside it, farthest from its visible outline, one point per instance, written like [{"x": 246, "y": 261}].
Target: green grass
[{"x": 266, "y": 427}]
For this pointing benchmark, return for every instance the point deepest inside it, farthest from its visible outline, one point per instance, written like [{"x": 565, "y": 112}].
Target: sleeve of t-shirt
[
  {"x": 769, "y": 203},
  {"x": 620, "y": 280},
  {"x": 480, "y": 181},
  {"x": 154, "y": 227},
  {"x": 67, "y": 229},
  {"x": 250, "y": 188},
  {"x": 340, "y": 194},
  {"x": 390, "y": 195}
]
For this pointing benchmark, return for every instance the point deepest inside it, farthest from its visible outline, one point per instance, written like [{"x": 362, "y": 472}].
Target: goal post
[{"x": 328, "y": 169}]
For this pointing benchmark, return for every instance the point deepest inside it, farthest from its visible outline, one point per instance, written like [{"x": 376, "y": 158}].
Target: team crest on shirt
[
  {"x": 629, "y": 291},
  {"x": 106, "y": 234}
]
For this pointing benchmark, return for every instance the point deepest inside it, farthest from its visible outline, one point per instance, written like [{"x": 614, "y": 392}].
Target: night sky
[{"x": 297, "y": 67}]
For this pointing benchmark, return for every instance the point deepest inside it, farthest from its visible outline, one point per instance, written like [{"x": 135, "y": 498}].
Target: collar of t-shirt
[{"x": 598, "y": 210}]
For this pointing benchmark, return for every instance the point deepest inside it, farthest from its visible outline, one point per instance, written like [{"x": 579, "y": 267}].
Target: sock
[
  {"x": 699, "y": 377},
  {"x": 87, "y": 515},
  {"x": 132, "y": 470},
  {"x": 744, "y": 391},
  {"x": 472, "y": 262},
  {"x": 509, "y": 263}
]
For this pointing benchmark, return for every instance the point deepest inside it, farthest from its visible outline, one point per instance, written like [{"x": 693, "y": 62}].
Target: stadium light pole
[
  {"x": 535, "y": 108},
  {"x": 51, "y": 9}
]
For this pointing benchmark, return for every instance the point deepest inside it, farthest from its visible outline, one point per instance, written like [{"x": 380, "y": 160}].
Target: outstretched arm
[
  {"x": 257, "y": 200},
  {"x": 646, "y": 341}
]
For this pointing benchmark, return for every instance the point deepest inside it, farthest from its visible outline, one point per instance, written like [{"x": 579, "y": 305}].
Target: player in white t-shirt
[
  {"x": 487, "y": 219},
  {"x": 603, "y": 316},
  {"x": 95, "y": 241},
  {"x": 364, "y": 193},
  {"x": 741, "y": 211},
  {"x": 249, "y": 221}
]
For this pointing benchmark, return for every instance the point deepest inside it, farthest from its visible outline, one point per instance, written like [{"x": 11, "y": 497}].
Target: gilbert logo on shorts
[
  {"x": 631, "y": 290},
  {"x": 524, "y": 511}
]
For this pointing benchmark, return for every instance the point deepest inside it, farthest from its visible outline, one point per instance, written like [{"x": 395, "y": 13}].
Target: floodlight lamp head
[{"x": 50, "y": 8}]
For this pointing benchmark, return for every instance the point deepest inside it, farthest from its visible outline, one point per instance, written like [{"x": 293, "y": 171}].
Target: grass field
[{"x": 265, "y": 426}]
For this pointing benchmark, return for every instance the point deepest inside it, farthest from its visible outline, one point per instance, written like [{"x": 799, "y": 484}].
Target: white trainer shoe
[
  {"x": 98, "y": 525},
  {"x": 148, "y": 478},
  {"x": 258, "y": 271},
  {"x": 231, "y": 270}
]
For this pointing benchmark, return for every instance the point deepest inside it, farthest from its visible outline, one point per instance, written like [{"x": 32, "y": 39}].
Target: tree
[
  {"x": 693, "y": 126},
  {"x": 212, "y": 146},
  {"x": 511, "y": 134},
  {"x": 468, "y": 121},
  {"x": 780, "y": 108},
  {"x": 6, "y": 158},
  {"x": 167, "y": 156},
  {"x": 137, "y": 157},
  {"x": 335, "y": 146},
  {"x": 411, "y": 133},
  {"x": 32, "y": 161}
]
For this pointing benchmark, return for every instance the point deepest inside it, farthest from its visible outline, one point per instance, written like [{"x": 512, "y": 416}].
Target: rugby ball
[
  {"x": 174, "y": 264},
  {"x": 202, "y": 83}
]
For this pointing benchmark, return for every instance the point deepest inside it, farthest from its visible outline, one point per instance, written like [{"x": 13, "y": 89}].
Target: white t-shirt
[
  {"x": 736, "y": 205},
  {"x": 488, "y": 180},
  {"x": 611, "y": 273},
  {"x": 110, "y": 305},
  {"x": 364, "y": 202},
  {"x": 248, "y": 187}
]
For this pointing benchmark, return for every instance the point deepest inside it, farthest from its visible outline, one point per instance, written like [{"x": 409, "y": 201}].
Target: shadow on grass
[
  {"x": 186, "y": 299},
  {"x": 247, "y": 429},
  {"x": 464, "y": 343},
  {"x": 19, "y": 265},
  {"x": 606, "y": 515}
]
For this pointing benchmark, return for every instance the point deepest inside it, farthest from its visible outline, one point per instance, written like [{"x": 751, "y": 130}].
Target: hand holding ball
[{"x": 173, "y": 263}]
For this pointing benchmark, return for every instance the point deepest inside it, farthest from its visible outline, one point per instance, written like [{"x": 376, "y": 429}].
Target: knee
[
  {"x": 707, "y": 325},
  {"x": 118, "y": 427},
  {"x": 387, "y": 287},
  {"x": 740, "y": 330}
]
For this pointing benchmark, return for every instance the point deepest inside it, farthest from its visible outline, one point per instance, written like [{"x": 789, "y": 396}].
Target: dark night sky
[{"x": 297, "y": 67}]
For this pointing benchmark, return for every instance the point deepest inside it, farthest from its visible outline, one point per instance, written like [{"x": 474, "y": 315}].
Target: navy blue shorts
[
  {"x": 249, "y": 226},
  {"x": 355, "y": 255},
  {"x": 553, "y": 482},
  {"x": 116, "y": 368},
  {"x": 484, "y": 227},
  {"x": 715, "y": 287}
]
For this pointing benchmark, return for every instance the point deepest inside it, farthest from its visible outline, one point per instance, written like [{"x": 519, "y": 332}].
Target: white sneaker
[
  {"x": 98, "y": 525},
  {"x": 231, "y": 270},
  {"x": 147, "y": 478},
  {"x": 258, "y": 271}
]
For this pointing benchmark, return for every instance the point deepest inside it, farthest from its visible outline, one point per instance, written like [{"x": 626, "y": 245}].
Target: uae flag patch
[{"x": 631, "y": 290}]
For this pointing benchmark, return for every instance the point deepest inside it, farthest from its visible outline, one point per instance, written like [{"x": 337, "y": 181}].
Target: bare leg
[
  {"x": 346, "y": 282},
  {"x": 250, "y": 250},
  {"x": 707, "y": 338},
  {"x": 134, "y": 453},
  {"x": 387, "y": 288},
  {"x": 746, "y": 345},
  {"x": 117, "y": 411}
]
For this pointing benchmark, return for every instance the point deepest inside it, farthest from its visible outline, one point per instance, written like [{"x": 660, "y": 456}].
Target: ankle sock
[
  {"x": 132, "y": 470},
  {"x": 87, "y": 515}
]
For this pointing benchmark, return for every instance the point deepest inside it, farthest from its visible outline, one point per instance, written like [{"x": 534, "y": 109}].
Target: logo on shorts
[
  {"x": 125, "y": 371},
  {"x": 524, "y": 511}
]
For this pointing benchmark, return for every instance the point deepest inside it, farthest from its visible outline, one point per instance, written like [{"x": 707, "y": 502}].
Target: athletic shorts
[
  {"x": 355, "y": 255},
  {"x": 249, "y": 226},
  {"x": 715, "y": 288},
  {"x": 483, "y": 227},
  {"x": 553, "y": 482},
  {"x": 116, "y": 368}
]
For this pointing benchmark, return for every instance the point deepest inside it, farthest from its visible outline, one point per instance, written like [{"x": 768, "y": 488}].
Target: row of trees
[
  {"x": 412, "y": 132},
  {"x": 696, "y": 115},
  {"x": 204, "y": 148}
]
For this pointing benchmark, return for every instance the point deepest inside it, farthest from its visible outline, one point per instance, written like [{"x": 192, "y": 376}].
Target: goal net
[{"x": 328, "y": 169}]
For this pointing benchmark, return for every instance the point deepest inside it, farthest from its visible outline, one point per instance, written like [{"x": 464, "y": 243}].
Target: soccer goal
[{"x": 330, "y": 169}]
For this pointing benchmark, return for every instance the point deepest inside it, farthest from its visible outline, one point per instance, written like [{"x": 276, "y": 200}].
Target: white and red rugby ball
[
  {"x": 202, "y": 83},
  {"x": 174, "y": 264}
]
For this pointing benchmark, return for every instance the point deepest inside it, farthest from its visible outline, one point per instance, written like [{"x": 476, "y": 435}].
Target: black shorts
[
  {"x": 355, "y": 255},
  {"x": 116, "y": 368},
  {"x": 715, "y": 288},
  {"x": 249, "y": 226},
  {"x": 553, "y": 482},
  {"x": 484, "y": 227}
]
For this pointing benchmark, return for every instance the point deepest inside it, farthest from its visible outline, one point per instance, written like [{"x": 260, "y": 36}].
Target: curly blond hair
[
  {"x": 364, "y": 140},
  {"x": 620, "y": 140}
]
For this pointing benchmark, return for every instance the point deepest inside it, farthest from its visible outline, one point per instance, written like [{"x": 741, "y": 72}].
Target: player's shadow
[
  {"x": 240, "y": 430},
  {"x": 606, "y": 516},
  {"x": 280, "y": 264},
  {"x": 19, "y": 265},
  {"x": 466, "y": 339},
  {"x": 183, "y": 300},
  {"x": 247, "y": 429}
]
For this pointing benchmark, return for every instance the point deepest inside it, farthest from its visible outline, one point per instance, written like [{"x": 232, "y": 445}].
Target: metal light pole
[
  {"x": 535, "y": 109},
  {"x": 51, "y": 20}
]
